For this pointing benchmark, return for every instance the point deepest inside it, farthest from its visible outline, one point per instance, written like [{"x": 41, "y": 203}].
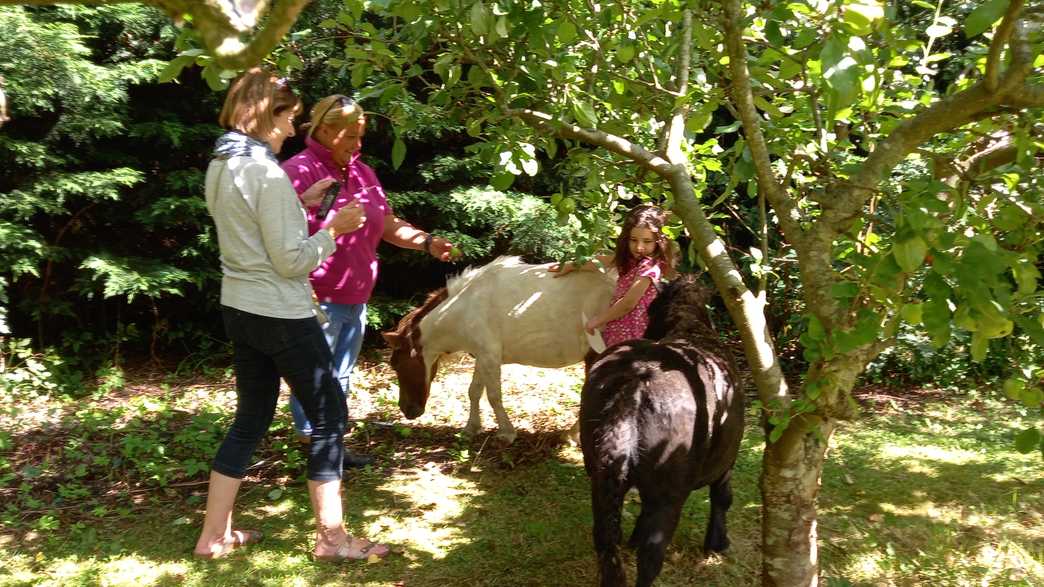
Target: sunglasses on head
[{"x": 341, "y": 101}]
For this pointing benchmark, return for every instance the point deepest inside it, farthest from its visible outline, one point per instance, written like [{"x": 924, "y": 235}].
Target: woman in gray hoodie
[{"x": 267, "y": 308}]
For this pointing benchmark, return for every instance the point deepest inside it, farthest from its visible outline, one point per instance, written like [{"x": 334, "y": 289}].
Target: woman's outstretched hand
[
  {"x": 348, "y": 219},
  {"x": 442, "y": 249}
]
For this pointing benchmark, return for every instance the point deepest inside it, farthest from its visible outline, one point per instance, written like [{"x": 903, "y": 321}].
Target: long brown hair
[
  {"x": 253, "y": 102},
  {"x": 649, "y": 217}
]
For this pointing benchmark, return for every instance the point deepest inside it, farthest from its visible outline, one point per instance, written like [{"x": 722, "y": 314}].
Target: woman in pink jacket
[{"x": 344, "y": 282}]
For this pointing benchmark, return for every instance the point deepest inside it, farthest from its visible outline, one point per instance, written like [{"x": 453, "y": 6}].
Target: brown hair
[
  {"x": 652, "y": 218},
  {"x": 337, "y": 110},
  {"x": 253, "y": 102}
]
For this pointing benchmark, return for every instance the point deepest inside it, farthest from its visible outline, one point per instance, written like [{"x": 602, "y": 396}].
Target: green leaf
[
  {"x": 398, "y": 153},
  {"x": 480, "y": 17},
  {"x": 566, "y": 32},
  {"x": 212, "y": 75},
  {"x": 501, "y": 28},
  {"x": 625, "y": 53},
  {"x": 912, "y": 313},
  {"x": 1026, "y": 275},
  {"x": 776, "y": 432},
  {"x": 910, "y": 253},
  {"x": 584, "y": 113},
  {"x": 982, "y": 18},
  {"x": 727, "y": 128},
  {"x": 1028, "y": 440},
  {"x": 275, "y": 494},
  {"x": 1013, "y": 388},
  {"x": 502, "y": 180},
  {"x": 861, "y": 16},
  {"x": 979, "y": 346},
  {"x": 173, "y": 69}
]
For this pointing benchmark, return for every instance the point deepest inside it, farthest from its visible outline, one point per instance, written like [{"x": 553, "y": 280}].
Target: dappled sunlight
[
  {"x": 433, "y": 502},
  {"x": 931, "y": 453},
  {"x": 1010, "y": 561},
  {"x": 136, "y": 571},
  {"x": 525, "y": 304}
]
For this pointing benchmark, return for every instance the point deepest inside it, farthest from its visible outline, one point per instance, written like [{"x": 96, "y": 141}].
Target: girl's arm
[
  {"x": 622, "y": 306},
  {"x": 597, "y": 263}
]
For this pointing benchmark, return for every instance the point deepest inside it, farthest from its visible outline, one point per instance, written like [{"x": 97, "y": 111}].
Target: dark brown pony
[{"x": 666, "y": 416}]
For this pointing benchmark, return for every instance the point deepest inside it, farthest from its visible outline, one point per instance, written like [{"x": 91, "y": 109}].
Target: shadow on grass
[{"x": 469, "y": 512}]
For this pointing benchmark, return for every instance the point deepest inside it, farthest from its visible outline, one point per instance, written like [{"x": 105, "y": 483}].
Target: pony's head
[
  {"x": 414, "y": 369},
  {"x": 682, "y": 303}
]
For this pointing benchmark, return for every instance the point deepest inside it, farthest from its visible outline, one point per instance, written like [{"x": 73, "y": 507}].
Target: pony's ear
[{"x": 392, "y": 338}]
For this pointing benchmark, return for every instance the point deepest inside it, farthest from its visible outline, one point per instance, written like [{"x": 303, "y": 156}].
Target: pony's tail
[{"x": 616, "y": 452}]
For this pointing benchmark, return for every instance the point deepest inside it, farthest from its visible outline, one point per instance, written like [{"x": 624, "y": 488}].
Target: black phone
[{"x": 328, "y": 200}]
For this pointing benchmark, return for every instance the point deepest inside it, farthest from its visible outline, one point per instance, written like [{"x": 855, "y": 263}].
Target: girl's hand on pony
[
  {"x": 560, "y": 269},
  {"x": 591, "y": 326}
]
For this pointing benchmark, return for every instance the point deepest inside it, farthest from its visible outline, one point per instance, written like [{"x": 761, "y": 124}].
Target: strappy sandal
[
  {"x": 345, "y": 552},
  {"x": 239, "y": 538}
]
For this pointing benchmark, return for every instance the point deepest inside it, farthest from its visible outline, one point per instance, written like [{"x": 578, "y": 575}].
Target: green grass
[{"x": 927, "y": 493}]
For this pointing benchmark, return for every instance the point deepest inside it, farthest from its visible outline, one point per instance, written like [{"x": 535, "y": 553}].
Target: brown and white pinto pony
[
  {"x": 506, "y": 312},
  {"x": 663, "y": 414}
]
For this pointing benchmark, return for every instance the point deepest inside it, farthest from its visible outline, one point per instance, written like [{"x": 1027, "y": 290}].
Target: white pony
[{"x": 503, "y": 312}]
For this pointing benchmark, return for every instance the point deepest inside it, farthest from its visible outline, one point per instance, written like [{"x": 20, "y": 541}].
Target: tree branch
[
  {"x": 952, "y": 112},
  {"x": 1000, "y": 39},
  {"x": 610, "y": 142},
  {"x": 221, "y": 23},
  {"x": 786, "y": 208},
  {"x": 1028, "y": 96},
  {"x": 223, "y": 37},
  {"x": 676, "y": 129}
]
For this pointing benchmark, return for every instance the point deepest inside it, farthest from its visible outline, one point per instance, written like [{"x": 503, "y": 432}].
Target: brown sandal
[
  {"x": 345, "y": 552},
  {"x": 239, "y": 538}
]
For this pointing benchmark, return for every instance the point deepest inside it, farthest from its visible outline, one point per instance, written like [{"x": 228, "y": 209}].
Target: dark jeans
[{"x": 265, "y": 350}]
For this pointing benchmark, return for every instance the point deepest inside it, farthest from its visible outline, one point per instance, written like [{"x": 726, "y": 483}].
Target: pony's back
[{"x": 531, "y": 316}]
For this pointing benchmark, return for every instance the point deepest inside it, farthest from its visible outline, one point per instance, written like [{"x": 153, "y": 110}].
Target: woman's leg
[
  {"x": 217, "y": 536},
  {"x": 307, "y": 366},
  {"x": 346, "y": 341},
  {"x": 257, "y": 388},
  {"x": 343, "y": 333},
  {"x": 330, "y": 532}
]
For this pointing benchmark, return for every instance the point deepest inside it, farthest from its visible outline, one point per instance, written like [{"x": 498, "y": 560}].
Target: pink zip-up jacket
[{"x": 349, "y": 274}]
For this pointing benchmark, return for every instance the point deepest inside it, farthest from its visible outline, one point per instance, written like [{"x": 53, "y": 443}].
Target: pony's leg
[
  {"x": 475, "y": 396},
  {"x": 607, "y": 493},
  {"x": 491, "y": 375},
  {"x": 661, "y": 519},
  {"x": 572, "y": 436},
  {"x": 717, "y": 539}
]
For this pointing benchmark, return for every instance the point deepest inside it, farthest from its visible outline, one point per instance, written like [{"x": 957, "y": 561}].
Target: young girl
[{"x": 642, "y": 256}]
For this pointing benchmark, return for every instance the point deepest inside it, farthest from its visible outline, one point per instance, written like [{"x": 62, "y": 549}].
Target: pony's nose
[{"x": 411, "y": 411}]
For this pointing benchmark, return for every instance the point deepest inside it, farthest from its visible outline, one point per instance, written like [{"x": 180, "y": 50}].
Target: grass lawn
[{"x": 926, "y": 489}]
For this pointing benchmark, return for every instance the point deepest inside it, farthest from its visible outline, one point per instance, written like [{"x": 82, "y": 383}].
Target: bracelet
[{"x": 427, "y": 243}]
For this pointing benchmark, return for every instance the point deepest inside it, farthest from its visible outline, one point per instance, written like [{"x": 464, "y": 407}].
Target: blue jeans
[
  {"x": 266, "y": 350},
  {"x": 344, "y": 335}
]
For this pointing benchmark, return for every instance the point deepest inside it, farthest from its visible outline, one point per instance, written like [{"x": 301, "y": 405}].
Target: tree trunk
[
  {"x": 792, "y": 468},
  {"x": 790, "y": 480}
]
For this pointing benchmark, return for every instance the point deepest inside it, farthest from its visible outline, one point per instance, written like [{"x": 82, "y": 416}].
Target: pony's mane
[
  {"x": 680, "y": 309},
  {"x": 408, "y": 322},
  {"x": 458, "y": 282},
  {"x": 407, "y": 325}
]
